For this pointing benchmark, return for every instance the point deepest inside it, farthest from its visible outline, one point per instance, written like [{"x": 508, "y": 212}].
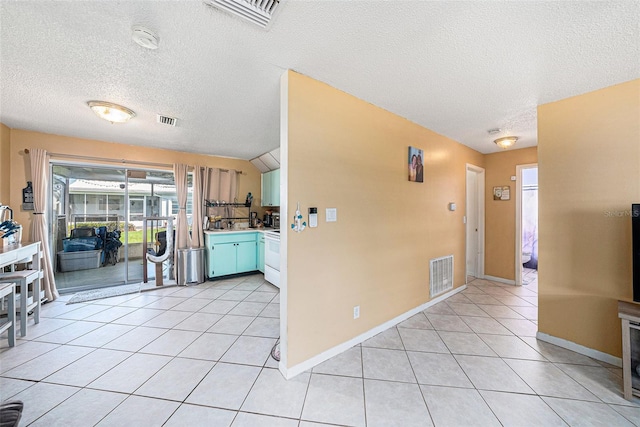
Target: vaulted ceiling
[{"x": 458, "y": 68}]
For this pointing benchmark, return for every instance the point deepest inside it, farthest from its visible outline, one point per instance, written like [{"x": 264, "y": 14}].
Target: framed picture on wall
[
  {"x": 416, "y": 168},
  {"x": 501, "y": 193}
]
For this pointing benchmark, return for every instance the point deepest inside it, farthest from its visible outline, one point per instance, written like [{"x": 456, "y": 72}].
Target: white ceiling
[{"x": 459, "y": 68}]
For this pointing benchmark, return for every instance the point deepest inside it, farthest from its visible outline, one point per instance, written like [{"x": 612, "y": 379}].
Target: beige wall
[
  {"x": 5, "y": 165},
  {"x": 348, "y": 154},
  {"x": 21, "y": 171},
  {"x": 589, "y": 166},
  {"x": 500, "y": 216}
]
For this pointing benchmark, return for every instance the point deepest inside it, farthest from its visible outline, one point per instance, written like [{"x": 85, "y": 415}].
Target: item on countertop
[
  {"x": 267, "y": 219},
  {"x": 8, "y": 228},
  {"x": 6, "y": 213},
  {"x": 10, "y": 232},
  {"x": 216, "y": 221}
]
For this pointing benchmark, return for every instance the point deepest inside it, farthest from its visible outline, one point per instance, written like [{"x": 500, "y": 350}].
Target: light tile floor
[{"x": 200, "y": 356}]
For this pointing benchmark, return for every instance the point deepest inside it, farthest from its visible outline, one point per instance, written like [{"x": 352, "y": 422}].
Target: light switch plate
[{"x": 332, "y": 214}]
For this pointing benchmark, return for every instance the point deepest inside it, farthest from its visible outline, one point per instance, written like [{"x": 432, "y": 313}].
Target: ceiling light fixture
[
  {"x": 506, "y": 142},
  {"x": 113, "y": 113}
]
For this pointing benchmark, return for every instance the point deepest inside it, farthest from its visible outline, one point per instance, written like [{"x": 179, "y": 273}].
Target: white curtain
[
  {"x": 39, "y": 228},
  {"x": 197, "y": 236},
  {"x": 206, "y": 172},
  {"x": 214, "y": 189},
  {"x": 229, "y": 186},
  {"x": 220, "y": 186},
  {"x": 182, "y": 226}
]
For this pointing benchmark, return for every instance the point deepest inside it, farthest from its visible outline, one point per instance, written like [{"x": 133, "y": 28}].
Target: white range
[{"x": 272, "y": 257}]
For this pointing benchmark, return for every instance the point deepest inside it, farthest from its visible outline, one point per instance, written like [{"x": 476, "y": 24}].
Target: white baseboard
[
  {"x": 340, "y": 348},
  {"x": 570, "y": 345},
  {"x": 499, "y": 280}
]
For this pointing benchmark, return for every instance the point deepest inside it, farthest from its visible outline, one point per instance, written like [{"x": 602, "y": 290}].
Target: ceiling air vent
[
  {"x": 259, "y": 12},
  {"x": 166, "y": 120}
]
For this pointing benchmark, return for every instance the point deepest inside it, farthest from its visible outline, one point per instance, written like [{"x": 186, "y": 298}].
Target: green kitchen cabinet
[
  {"x": 246, "y": 256},
  {"x": 271, "y": 188},
  {"x": 266, "y": 189},
  {"x": 275, "y": 187},
  {"x": 223, "y": 259},
  {"x": 261, "y": 252},
  {"x": 231, "y": 253}
]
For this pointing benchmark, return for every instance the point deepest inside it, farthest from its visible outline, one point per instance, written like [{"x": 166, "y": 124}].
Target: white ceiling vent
[
  {"x": 259, "y": 12},
  {"x": 166, "y": 120}
]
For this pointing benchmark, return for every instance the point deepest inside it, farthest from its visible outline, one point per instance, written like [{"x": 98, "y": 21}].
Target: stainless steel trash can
[{"x": 190, "y": 266}]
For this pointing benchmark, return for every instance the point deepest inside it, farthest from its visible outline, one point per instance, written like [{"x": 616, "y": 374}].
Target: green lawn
[
  {"x": 136, "y": 236},
  {"x": 133, "y": 237}
]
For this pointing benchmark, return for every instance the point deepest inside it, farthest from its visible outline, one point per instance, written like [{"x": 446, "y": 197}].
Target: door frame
[
  {"x": 125, "y": 235},
  {"x": 480, "y": 172},
  {"x": 519, "y": 170}
]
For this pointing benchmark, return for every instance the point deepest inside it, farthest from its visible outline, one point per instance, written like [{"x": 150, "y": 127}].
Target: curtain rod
[{"x": 123, "y": 161}]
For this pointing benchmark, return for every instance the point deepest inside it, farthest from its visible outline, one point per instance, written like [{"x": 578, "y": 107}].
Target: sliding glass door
[{"x": 97, "y": 216}]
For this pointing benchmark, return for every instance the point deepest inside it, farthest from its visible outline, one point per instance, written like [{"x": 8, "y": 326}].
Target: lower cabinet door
[
  {"x": 246, "y": 256},
  {"x": 223, "y": 259},
  {"x": 261, "y": 254}
]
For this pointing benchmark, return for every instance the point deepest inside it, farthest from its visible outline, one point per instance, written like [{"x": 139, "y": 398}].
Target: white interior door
[
  {"x": 475, "y": 221},
  {"x": 472, "y": 223}
]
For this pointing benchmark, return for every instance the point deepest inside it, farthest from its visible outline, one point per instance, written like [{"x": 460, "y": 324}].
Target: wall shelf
[{"x": 230, "y": 210}]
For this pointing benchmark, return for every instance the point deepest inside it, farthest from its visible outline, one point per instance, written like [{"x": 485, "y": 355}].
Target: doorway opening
[
  {"x": 527, "y": 224},
  {"x": 474, "y": 219},
  {"x": 97, "y": 215}
]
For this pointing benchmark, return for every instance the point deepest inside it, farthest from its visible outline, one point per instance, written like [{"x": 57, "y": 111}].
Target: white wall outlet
[
  {"x": 356, "y": 311},
  {"x": 331, "y": 214}
]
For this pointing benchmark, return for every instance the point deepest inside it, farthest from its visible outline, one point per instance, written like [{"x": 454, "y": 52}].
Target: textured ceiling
[{"x": 459, "y": 68}]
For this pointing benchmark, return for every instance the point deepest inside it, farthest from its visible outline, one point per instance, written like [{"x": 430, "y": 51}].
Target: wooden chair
[{"x": 9, "y": 290}]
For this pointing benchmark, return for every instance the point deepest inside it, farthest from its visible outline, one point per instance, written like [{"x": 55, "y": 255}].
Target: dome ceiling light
[
  {"x": 113, "y": 113},
  {"x": 506, "y": 142}
]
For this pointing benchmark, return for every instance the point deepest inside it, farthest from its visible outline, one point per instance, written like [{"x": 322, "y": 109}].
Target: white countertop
[{"x": 246, "y": 230}]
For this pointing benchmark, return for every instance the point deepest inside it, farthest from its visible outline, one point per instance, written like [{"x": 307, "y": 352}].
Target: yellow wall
[
  {"x": 589, "y": 175},
  {"x": 21, "y": 170},
  {"x": 500, "y": 216},
  {"x": 348, "y": 154},
  {"x": 5, "y": 165}
]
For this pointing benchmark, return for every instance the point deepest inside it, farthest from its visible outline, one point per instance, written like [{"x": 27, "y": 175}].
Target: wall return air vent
[
  {"x": 440, "y": 275},
  {"x": 259, "y": 12}
]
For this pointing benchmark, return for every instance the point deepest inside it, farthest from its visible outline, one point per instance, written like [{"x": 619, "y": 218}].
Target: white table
[{"x": 19, "y": 252}]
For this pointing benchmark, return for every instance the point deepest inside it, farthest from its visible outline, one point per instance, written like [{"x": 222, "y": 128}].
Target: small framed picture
[
  {"x": 416, "y": 167},
  {"x": 501, "y": 193}
]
